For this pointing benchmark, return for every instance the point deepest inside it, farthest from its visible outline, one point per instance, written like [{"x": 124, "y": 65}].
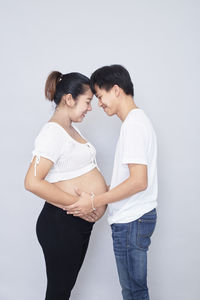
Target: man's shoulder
[
  {"x": 138, "y": 120},
  {"x": 134, "y": 121},
  {"x": 137, "y": 125}
]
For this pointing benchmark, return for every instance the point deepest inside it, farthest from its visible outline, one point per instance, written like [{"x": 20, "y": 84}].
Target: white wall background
[{"x": 159, "y": 43}]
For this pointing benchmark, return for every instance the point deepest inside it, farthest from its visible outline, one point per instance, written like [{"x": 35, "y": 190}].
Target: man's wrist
[{"x": 99, "y": 200}]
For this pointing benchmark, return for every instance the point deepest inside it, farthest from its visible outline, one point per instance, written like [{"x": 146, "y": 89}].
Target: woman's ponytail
[{"x": 50, "y": 86}]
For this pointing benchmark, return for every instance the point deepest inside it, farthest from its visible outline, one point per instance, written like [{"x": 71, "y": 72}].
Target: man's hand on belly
[
  {"x": 82, "y": 207},
  {"x": 92, "y": 217}
]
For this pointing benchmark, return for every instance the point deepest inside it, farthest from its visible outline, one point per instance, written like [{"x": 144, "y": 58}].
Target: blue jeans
[{"x": 131, "y": 242}]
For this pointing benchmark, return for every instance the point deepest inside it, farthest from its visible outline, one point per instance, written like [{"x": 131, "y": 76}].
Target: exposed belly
[{"x": 92, "y": 181}]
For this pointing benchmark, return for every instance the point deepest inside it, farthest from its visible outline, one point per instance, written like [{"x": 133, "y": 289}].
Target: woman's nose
[{"x": 100, "y": 103}]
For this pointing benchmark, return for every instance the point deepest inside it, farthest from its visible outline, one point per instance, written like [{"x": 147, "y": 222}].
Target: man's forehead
[
  {"x": 96, "y": 87},
  {"x": 98, "y": 90}
]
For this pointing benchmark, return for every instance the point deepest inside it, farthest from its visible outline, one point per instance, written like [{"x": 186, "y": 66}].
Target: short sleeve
[
  {"x": 134, "y": 143},
  {"x": 48, "y": 144}
]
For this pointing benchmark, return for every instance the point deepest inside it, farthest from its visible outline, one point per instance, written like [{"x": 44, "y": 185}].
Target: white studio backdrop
[{"x": 159, "y": 43}]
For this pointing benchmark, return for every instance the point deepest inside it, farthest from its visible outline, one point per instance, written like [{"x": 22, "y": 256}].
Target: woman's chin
[{"x": 79, "y": 119}]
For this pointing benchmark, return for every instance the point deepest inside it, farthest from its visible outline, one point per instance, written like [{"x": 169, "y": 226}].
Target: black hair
[
  {"x": 107, "y": 76},
  {"x": 59, "y": 84}
]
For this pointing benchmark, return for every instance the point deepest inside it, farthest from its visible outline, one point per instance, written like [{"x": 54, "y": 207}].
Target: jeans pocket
[
  {"x": 119, "y": 236},
  {"x": 117, "y": 227},
  {"x": 146, "y": 227}
]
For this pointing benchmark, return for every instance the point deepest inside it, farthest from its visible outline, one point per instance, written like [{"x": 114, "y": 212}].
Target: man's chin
[{"x": 109, "y": 113}]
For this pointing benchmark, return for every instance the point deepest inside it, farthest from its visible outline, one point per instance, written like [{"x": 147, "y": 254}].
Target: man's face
[{"x": 107, "y": 100}]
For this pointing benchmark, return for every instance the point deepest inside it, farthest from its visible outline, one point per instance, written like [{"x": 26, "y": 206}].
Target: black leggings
[{"x": 64, "y": 240}]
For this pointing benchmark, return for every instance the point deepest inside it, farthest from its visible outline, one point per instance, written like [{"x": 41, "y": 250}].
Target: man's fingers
[
  {"x": 73, "y": 211},
  {"x": 93, "y": 215},
  {"x": 89, "y": 218},
  {"x": 96, "y": 213},
  {"x": 78, "y": 214}
]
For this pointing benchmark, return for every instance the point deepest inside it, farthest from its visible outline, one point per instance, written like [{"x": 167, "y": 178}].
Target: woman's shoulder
[{"x": 51, "y": 130}]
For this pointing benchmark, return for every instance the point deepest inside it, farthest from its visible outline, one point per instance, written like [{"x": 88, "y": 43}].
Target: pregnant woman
[{"x": 63, "y": 161}]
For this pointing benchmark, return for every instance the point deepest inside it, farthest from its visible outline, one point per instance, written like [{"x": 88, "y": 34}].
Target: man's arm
[{"x": 135, "y": 183}]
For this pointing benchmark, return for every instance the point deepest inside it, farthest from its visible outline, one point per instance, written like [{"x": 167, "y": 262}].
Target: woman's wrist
[{"x": 75, "y": 198}]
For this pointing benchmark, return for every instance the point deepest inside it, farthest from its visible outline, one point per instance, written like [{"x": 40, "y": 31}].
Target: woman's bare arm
[{"x": 42, "y": 188}]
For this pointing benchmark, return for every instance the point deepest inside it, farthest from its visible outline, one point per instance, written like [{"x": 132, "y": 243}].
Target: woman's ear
[{"x": 68, "y": 100}]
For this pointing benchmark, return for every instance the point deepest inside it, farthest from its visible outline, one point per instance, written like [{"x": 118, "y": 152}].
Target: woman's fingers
[{"x": 77, "y": 191}]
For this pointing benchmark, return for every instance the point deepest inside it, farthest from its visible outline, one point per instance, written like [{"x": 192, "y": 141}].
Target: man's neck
[{"x": 126, "y": 105}]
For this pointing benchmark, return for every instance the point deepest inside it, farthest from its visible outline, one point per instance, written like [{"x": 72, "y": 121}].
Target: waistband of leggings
[{"x": 52, "y": 208}]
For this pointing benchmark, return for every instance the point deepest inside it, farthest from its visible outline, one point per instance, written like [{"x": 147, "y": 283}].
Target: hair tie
[{"x": 60, "y": 78}]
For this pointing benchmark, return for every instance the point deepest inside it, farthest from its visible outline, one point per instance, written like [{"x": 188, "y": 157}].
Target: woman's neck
[{"x": 60, "y": 116}]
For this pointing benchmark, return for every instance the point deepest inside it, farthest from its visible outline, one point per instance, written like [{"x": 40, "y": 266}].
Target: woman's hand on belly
[{"x": 95, "y": 215}]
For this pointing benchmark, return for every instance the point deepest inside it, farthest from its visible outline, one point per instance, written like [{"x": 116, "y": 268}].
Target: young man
[{"x": 132, "y": 198}]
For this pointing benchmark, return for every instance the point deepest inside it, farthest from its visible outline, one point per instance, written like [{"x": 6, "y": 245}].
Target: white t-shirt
[
  {"x": 71, "y": 158},
  {"x": 136, "y": 144}
]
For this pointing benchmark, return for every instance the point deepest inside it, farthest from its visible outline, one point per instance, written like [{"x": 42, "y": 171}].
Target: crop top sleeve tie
[
  {"x": 36, "y": 163},
  {"x": 70, "y": 158}
]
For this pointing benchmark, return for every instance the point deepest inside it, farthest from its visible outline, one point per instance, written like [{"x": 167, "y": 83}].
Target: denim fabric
[{"x": 131, "y": 242}]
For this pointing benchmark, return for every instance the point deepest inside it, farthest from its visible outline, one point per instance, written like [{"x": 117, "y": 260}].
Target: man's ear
[
  {"x": 116, "y": 90},
  {"x": 68, "y": 99}
]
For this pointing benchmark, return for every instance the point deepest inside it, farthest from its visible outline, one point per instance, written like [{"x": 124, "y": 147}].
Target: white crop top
[{"x": 71, "y": 158}]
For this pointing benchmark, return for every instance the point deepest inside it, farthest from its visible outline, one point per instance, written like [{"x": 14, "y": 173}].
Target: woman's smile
[{"x": 84, "y": 114}]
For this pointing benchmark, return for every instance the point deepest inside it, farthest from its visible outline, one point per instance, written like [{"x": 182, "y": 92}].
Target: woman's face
[{"x": 82, "y": 106}]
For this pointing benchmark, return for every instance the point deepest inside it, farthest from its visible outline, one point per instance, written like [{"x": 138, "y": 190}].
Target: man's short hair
[{"x": 107, "y": 76}]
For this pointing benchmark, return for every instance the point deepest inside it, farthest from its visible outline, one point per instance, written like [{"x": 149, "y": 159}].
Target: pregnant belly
[{"x": 92, "y": 181}]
